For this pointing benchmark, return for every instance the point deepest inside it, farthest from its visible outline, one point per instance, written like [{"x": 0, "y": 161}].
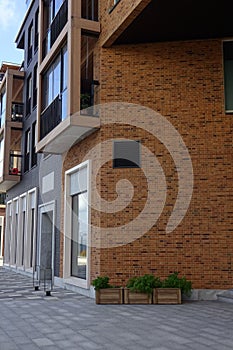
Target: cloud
[{"x": 8, "y": 13}]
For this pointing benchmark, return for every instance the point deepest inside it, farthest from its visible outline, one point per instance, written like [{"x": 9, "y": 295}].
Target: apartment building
[
  {"x": 31, "y": 180},
  {"x": 135, "y": 97}
]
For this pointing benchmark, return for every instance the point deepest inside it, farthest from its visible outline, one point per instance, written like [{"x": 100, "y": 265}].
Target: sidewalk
[{"x": 31, "y": 321}]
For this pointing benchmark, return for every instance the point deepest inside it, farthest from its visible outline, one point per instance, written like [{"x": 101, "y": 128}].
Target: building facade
[
  {"x": 36, "y": 185},
  {"x": 136, "y": 99}
]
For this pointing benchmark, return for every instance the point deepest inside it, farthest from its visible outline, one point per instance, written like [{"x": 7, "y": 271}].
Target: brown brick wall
[{"x": 183, "y": 81}]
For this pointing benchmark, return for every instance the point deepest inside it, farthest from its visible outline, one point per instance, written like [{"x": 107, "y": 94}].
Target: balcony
[
  {"x": 57, "y": 135},
  {"x": 55, "y": 28},
  {"x": 15, "y": 163},
  {"x": 17, "y": 112},
  {"x": 13, "y": 176}
]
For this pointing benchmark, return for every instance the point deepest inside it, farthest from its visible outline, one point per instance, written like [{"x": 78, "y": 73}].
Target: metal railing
[
  {"x": 51, "y": 117},
  {"x": 17, "y": 112}
]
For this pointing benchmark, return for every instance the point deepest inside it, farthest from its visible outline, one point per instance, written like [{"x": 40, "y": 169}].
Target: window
[
  {"x": 33, "y": 146},
  {"x": 228, "y": 74},
  {"x": 15, "y": 225},
  {"x": 35, "y": 86},
  {"x": 30, "y": 42},
  {"x": 2, "y": 108},
  {"x": 88, "y": 43},
  {"x": 76, "y": 213},
  {"x": 29, "y": 95},
  {"x": 36, "y": 36},
  {"x": 1, "y": 156},
  {"x": 22, "y": 227},
  {"x": 126, "y": 154},
  {"x": 90, "y": 9},
  {"x": 54, "y": 7},
  {"x": 1, "y": 235},
  {"x": 27, "y": 150},
  {"x": 20, "y": 238},
  {"x": 55, "y": 82},
  {"x": 113, "y": 3},
  {"x": 31, "y": 228}
]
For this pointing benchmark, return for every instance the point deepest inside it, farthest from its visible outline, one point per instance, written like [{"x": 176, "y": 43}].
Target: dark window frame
[{"x": 27, "y": 150}]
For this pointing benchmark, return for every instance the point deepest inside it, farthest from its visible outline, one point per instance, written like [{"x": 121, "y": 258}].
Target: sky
[{"x": 11, "y": 16}]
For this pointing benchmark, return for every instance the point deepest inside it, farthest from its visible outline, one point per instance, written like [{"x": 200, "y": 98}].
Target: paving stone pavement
[{"x": 71, "y": 321}]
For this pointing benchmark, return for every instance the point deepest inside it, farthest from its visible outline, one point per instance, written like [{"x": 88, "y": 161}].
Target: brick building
[{"x": 136, "y": 96}]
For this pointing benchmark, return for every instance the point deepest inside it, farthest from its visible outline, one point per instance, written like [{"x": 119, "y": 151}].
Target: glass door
[{"x": 79, "y": 235}]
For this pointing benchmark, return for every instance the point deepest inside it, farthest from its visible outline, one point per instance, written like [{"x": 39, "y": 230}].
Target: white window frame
[
  {"x": 8, "y": 233},
  {"x": 68, "y": 227},
  {"x": 28, "y": 240},
  {"x": 14, "y": 231},
  {"x": 21, "y": 244},
  {"x": 2, "y": 234}
]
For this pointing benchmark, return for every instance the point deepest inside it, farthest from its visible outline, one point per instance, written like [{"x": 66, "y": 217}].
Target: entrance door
[{"x": 46, "y": 241}]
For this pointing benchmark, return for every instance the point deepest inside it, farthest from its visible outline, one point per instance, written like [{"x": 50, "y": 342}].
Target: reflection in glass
[{"x": 79, "y": 236}]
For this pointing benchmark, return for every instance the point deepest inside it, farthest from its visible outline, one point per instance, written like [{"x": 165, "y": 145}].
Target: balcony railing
[
  {"x": 55, "y": 28},
  {"x": 17, "y": 112},
  {"x": 90, "y": 9},
  {"x": 15, "y": 163},
  {"x": 51, "y": 117},
  {"x": 88, "y": 97}
]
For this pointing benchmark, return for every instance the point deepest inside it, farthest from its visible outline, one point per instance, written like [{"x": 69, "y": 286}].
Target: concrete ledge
[
  {"x": 204, "y": 294},
  {"x": 62, "y": 283}
]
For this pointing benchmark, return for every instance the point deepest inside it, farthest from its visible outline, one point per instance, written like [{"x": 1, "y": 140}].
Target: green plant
[
  {"x": 101, "y": 282},
  {"x": 173, "y": 281},
  {"x": 143, "y": 284},
  {"x": 85, "y": 100}
]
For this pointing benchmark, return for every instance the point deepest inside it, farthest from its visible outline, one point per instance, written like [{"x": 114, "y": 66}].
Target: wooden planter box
[
  {"x": 167, "y": 296},
  {"x": 109, "y": 296},
  {"x": 136, "y": 298}
]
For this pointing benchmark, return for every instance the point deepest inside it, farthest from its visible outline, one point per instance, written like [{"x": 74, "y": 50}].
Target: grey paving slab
[{"x": 32, "y": 321}]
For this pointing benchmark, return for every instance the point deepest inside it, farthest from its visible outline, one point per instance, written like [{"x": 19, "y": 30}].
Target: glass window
[
  {"x": 35, "y": 86},
  {"x": 55, "y": 82},
  {"x": 29, "y": 95},
  {"x": 79, "y": 241},
  {"x": 36, "y": 38},
  {"x": 3, "y": 108},
  {"x": 228, "y": 74},
  {"x": 27, "y": 150},
  {"x": 57, "y": 5},
  {"x": 1, "y": 156},
  {"x": 56, "y": 78},
  {"x": 33, "y": 146}
]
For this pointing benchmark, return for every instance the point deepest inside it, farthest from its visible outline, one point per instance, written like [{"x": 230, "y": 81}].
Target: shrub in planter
[
  {"x": 105, "y": 293},
  {"x": 139, "y": 289},
  {"x": 171, "y": 290}
]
